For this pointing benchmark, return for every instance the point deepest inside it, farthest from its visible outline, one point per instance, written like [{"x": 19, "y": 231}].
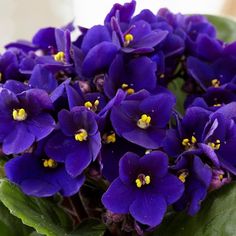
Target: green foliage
[
  {"x": 216, "y": 217},
  {"x": 226, "y": 28},
  {"x": 42, "y": 214},
  {"x": 175, "y": 86},
  {"x": 91, "y": 227}
]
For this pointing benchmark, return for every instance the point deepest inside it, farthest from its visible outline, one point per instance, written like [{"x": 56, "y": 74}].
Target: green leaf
[
  {"x": 91, "y": 227},
  {"x": 216, "y": 217},
  {"x": 226, "y": 27},
  {"x": 43, "y": 215},
  {"x": 175, "y": 87},
  {"x": 11, "y": 225}
]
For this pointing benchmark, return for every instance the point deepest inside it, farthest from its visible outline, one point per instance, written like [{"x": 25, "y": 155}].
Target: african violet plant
[{"x": 125, "y": 130}]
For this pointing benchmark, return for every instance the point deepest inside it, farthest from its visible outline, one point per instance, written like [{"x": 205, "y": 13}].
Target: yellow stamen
[
  {"x": 128, "y": 39},
  {"x": 96, "y": 103},
  {"x": 50, "y": 163},
  {"x": 217, "y": 105},
  {"x": 81, "y": 135},
  {"x": 193, "y": 140},
  {"x": 147, "y": 179},
  {"x": 215, "y": 83},
  {"x": 182, "y": 176},
  {"x": 126, "y": 88},
  {"x": 88, "y": 104},
  {"x": 19, "y": 114},
  {"x": 187, "y": 143},
  {"x": 130, "y": 91},
  {"x": 111, "y": 138},
  {"x": 0, "y": 76},
  {"x": 144, "y": 121},
  {"x": 142, "y": 180},
  {"x": 221, "y": 177},
  {"x": 92, "y": 106},
  {"x": 138, "y": 183},
  {"x": 215, "y": 145},
  {"x": 60, "y": 57}
]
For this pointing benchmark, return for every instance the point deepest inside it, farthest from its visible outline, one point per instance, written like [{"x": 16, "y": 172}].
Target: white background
[{"x": 20, "y": 19}]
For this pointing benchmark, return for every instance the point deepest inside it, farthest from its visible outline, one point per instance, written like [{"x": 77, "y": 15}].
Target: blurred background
[{"x": 20, "y": 19}]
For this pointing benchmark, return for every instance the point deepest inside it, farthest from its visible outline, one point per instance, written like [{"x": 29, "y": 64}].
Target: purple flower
[
  {"x": 216, "y": 74},
  {"x": 24, "y": 119},
  {"x": 130, "y": 75},
  {"x": 196, "y": 177},
  {"x": 214, "y": 98},
  {"x": 144, "y": 188},
  {"x": 78, "y": 142},
  {"x": 142, "y": 118},
  {"x": 113, "y": 149},
  {"x": 202, "y": 132},
  {"x": 98, "y": 50},
  {"x": 41, "y": 176}
]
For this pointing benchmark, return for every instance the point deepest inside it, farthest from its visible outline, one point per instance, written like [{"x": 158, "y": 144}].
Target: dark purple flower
[
  {"x": 216, "y": 74},
  {"x": 125, "y": 12},
  {"x": 206, "y": 133},
  {"x": 188, "y": 133},
  {"x": 196, "y": 177},
  {"x": 78, "y": 142},
  {"x": 130, "y": 75},
  {"x": 142, "y": 118},
  {"x": 144, "y": 188},
  {"x": 9, "y": 67},
  {"x": 214, "y": 98},
  {"x": 41, "y": 176},
  {"x": 112, "y": 150},
  {"x": 24, "y": 119},
  {"x": 219, "y": 178},
  {"x": 98, "y": 50}
]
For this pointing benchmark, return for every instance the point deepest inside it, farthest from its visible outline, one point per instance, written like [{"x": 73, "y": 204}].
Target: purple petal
[
  {"x": 128, "y": 167},
  {"x": 59, "y": 146},
  {"x": 156, "y": 163},
  {"x": 39, "y": 188},
  {"x": 170, "y": 187},
  {"x": 94, "y": 36},
  {"x": 148, "y": 208},
  {"x": 18, "y": 140},
  {"x": 98, "y": 58},
  {"x": 41, "y": 126},
  {"x": 79, "y": 160},
  {"x": 95, "y": 145},
  {"x": 119, "y": 197}
]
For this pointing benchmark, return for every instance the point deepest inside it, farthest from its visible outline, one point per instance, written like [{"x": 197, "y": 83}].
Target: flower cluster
[{"x": 103, "y": 100}]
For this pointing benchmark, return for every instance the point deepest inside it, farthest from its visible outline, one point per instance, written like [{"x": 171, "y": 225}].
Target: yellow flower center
[
  {"x": 183, "y": 176},
  {"x": 217, "y": 105},
  {"x": 128, "y": 38},
  {"x": 60, "y": 57},
  {"x": 221, "y": 177},
  {"x": 50, "y": 163},
  {"x": 215, "y": 83},
  {"x": 92, "y": 106},
  {"x": 189, "y": 143},
  {"x": 0, "y": 77},
  {"x": 215, "y": 145},
  {"x": 144, "y": 121},
  {"x": 142, "y": 180},
  {"x": 111, "y": 138},
  {"x": 127, "y": 89},
  {"x": 81, "y": 135},
  {"x": 19, "y": 114}
]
